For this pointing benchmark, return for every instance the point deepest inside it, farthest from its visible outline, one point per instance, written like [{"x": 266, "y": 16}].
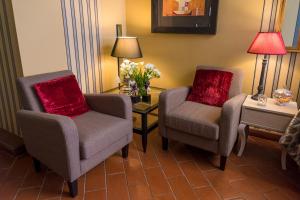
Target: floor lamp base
[{"x": 255, "y": 97}]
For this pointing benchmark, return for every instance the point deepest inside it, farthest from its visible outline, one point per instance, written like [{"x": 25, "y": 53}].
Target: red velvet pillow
[
  {"x": 62, "y": 96},
  {"x": 211, "y": 87}
]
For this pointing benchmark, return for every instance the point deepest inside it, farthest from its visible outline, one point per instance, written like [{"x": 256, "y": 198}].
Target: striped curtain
[
  {"x": 10, "y": 69},
  {"x": 82, "y": 40}
]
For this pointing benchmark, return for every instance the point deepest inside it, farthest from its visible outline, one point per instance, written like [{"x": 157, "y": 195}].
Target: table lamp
[
  {"x": 266, "y": 43},
  {"x": 127, "y": 48}
]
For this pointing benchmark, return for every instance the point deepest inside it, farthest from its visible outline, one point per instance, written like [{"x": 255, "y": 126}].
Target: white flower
[
  {"x": 126, "y": 61},
  {"x": 156, "y": 73},
  {"x": 149, "y": 66}
]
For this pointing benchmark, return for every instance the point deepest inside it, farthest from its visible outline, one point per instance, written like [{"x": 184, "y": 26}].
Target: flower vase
[
  {"x": 146, "y": 98},
  {"x": 126, "y": 87},
  {"x": 135, "y": 99}
]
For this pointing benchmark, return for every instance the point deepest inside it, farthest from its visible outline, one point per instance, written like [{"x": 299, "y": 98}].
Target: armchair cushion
[
  {"x": 62, "y": 96},
  {"x": 211, "y": 87},
  {"x": 196, "y": 119},
  {"x": 97, "y": 131}
]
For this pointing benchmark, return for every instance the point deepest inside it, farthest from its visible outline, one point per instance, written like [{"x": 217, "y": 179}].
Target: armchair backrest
[
  {"x": 29, "y": 98},
  {"x": 237, "y": 81}
]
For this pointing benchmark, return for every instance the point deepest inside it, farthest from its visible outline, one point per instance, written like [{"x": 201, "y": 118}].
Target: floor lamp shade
[
  {"x": 266, "y": 43},
  {"x": 127, "y": 47}
]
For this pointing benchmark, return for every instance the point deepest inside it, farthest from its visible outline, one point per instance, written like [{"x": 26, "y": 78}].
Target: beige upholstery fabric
[
  {"x": 211, "y": 128},
  {"x": 197, "y": 119},
  {"x": 196, "y": 141},
  {"x": 53, "y": 139},
  {"x": 71, "y": 147},
  {"x": 97, "y": 131},
  {"x": 103, "y": 103},
  {"x": 168, "y": 101},
  {"x": 93, "y": 161},
  {"x": 229, "y": 123}
]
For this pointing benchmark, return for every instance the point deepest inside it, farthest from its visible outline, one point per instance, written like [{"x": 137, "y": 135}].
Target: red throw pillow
[
  {"x": 62, "y": 96},
  {"x": 211, "y": 87}
]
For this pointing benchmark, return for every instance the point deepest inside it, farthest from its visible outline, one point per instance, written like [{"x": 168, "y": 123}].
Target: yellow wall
[
  {"x": 41, "y": 39},
  {"x": 112, "y": 13},
  {"x": 176, "y": 55},
  {"x": 40, "y": 35}
]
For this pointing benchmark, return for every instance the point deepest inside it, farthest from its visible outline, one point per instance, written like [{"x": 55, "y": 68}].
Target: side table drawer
[{"x": 265, "y": 120}]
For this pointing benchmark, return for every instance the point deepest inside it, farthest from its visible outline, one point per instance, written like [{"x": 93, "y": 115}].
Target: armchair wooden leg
[
  {"x": 165, "y": 143},
  {"x": 73, "y": 188},
  {"x": 36, "y": 165},
  {"x": 125, "y": 151},
  {"x": 223, "y": 162}
]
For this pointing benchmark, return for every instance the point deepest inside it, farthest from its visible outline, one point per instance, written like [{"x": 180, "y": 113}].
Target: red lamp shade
[{"x": 268, "y": 43}]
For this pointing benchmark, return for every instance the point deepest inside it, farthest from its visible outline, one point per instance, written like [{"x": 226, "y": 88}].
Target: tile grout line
[
  {"x": 143, "y": 169},
  {"x": 42, "y": 185},
  {"x": 62, "y": 190},
  {"x": 209, "y": 183},
  {"x": 182, "y": 172},
  {"x": 84, "y": 186},
  {"x": 125, "y": 175},
  {"x": 23, "y": 179},
  {"x": 95, "y": 190},
  {"x": 165, "y": 176},
  {"x": 105, "y": 180}
]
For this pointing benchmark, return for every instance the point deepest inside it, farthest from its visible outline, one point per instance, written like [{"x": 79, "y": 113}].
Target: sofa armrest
[
  {"x": 229, "y": 123},
  {"x": 52, "y": 139},
  {"x": 111, "y": 104},
  {"x": 168, "y": 100}
]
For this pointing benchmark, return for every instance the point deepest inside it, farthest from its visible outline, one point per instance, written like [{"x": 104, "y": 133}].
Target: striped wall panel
[
  {"x": 283, "y": 71},
  {"x": 82, "y": 40},
  {"x": 10, "y": 68}
]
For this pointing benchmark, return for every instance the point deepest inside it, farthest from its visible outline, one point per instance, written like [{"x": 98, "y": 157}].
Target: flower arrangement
[{"x": 138, "y": 76}]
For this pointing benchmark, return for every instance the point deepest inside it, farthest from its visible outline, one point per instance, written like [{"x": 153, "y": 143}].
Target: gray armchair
[
  {"x": 72, "y": 146},
  {"x": 211, "y": 128}
]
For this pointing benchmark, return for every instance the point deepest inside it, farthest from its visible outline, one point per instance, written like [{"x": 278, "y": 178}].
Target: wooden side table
[{"x": 270, "y": 117}]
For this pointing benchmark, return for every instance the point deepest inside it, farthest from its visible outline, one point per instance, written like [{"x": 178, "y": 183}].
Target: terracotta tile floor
[{"x": 183, "y": 172}]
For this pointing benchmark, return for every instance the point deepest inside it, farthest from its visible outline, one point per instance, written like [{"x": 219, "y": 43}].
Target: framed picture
[
  {"x": 184, "y": 16},
  {"x": 288, "y": 23}
]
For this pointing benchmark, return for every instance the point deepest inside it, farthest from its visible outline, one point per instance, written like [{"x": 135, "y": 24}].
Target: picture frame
[
  {"x": 184, "y": 16},
  {"x": 286, "y": 20}
]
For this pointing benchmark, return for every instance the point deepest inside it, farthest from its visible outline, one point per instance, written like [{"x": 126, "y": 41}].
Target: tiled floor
[{"x": 181, "y": 173}]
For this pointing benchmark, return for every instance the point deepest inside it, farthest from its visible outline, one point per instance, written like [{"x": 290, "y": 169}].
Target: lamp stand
[
  {"x": 119, "y": 63},
  {"x": 262, "y": 80},
  {"x": 119, "y": 33}
]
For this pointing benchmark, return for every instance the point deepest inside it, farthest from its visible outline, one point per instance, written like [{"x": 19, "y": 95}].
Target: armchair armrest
[
  {"x": 52, "y": 139},
  {"x": 229, "y": 123},
  {"x": 169, "y": 100},
  {"x": 111, "y": 104}
]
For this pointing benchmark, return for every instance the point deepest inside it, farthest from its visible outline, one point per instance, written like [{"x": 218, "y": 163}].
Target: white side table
[{"x": 271, "y": 117}]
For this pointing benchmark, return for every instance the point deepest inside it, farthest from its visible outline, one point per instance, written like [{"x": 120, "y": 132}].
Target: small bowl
[{"x": 282, "y": 96}]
